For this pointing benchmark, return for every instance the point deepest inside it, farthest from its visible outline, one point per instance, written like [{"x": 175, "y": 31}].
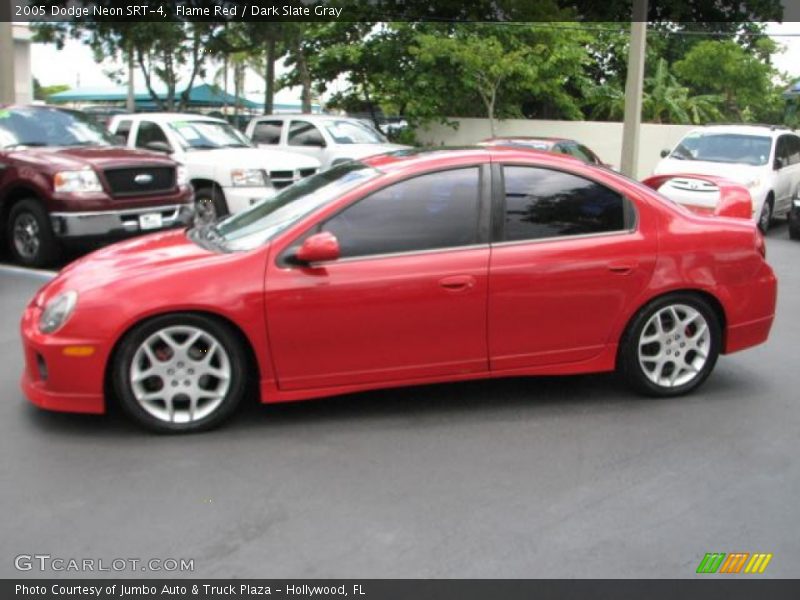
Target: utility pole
[
  {"x": 633, "y": 90},
  {"x": 7, "y": 80},
  {"x": 130, "y": 103}
]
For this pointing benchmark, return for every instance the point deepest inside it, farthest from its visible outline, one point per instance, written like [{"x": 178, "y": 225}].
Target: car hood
[
  {"x": 739, "y": 173},
  {"x": 52, "y": 159},
  {"x": 250, "y": 158},
  {"x": 154, "y": 256}
]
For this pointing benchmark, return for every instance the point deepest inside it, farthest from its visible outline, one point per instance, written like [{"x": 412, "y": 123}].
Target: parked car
[
  {"x": 228, "y": 173},
  {"x": 330, "y": 139},
  {"x": 549, "y": 144},
  {"x": 765, "y": 159},
  {"x": 402, "y": 269},
  {"x": 794, "y": 218},
  {"x": 63, "y": 181}
]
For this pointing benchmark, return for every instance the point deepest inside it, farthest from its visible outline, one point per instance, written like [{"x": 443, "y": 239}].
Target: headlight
[
  {"x": 182, "y": 176},
  {"x": 57, "y": 311},
  {"x": 248, "y": 178},
  {"x": 796, "y": 202},
  {"x": 77, "y": 181},
  {"x": 753, "y": 183}
]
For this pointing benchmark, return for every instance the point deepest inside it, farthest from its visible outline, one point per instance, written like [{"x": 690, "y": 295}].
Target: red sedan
[{"x": 402, "y": 269}]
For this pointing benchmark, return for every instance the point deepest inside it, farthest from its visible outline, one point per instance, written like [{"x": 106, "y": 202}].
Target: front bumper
[
  {"x": 242, "y": 198},
  {"x": 119, "y": 223},
  {"x": 55, "y": 380}
]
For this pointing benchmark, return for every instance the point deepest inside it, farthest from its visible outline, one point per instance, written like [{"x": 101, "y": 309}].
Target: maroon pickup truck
[{"x": 63, "y": 180}]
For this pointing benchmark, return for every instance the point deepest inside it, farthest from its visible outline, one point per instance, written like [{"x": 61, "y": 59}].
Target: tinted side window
[
  {"x": 303, "y": 133},
  {"x": 437, "y": 210},
  {"x": 150, "y": 132},
  {"x": 267, "y": 132},
  {"x": 543, "y": 203},
  {"x": 794, "y": 149},
  {"x": 124, "y": 128},
  {"x": 782, "y": 150}
]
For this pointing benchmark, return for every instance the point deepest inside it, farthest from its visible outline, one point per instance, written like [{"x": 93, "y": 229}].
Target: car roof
[
  {"x": 170, "y": 117},
  {"x": 744, "y": 129},
  {"x": 402, "y": 160},
  {"x": 527, "y": 138}
]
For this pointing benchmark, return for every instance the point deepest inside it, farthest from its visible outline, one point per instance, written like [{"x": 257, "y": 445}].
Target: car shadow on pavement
[{"x": 490, "y": 400}]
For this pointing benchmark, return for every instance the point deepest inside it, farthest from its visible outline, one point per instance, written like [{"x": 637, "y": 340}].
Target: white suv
[
  {"x": 765, "y": 159},
  {"x": 228, "y": 173},
  {"x": 328, "y": 138}
]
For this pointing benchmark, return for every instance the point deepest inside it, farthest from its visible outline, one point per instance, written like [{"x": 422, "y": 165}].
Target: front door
[{"x": 406, "y": 300}]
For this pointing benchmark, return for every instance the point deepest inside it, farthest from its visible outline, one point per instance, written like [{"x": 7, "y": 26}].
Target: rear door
[{"x": 569, "y": 257}]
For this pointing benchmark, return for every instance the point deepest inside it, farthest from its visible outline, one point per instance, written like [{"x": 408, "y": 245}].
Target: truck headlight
[
  {"x": 248, "y": 178},
  {"x": 182, "y": 176},
  {"x": 57, "y": 312},
  {"x": 77, "y": 181}
]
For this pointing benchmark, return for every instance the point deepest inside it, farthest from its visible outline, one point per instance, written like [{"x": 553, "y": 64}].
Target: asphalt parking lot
[{"x": 549, "y": 477}]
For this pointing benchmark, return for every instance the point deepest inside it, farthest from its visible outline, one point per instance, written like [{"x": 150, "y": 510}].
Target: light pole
[{"x": 633, "y": 90}]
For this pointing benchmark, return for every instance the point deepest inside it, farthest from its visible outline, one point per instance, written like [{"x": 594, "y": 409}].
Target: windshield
[
  {"x": 202, "y": 135},
  {"x": 725, "y": 148},
  {"x": 252, "y": 228},
  {"x": 39, "y": 126},
  {"x": 352, "y": 132}
]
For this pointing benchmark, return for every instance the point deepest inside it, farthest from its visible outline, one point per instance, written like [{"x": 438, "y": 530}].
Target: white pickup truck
[
  {"x": 228, "y": 173},
  {"x": 328, "y": 138}
]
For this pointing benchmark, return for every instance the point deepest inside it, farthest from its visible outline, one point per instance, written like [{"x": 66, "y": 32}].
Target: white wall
[{"x": 602, "y": 137}]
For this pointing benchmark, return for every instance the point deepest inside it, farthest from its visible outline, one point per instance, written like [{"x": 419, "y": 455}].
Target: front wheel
[
  {"x": 210, "y": 205},
  {"x": 765, "y": 218},
  {"x": 30, "y": 235},
  {"x": 671, "y": 346},
  {"x": 180, "y": 373}
]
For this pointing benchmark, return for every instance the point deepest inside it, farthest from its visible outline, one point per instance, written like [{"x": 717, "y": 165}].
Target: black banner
[
  {"x": 714, "y": 588},
  {"x": 686, "y": 11}
]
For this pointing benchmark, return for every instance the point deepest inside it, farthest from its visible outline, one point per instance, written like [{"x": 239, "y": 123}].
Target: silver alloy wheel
[
  {"x": 766, "y": 216},
  {"x": 674, "y": 345},
  {"x": 180, "y": 374},
  {"x": 27, "y": 236}
]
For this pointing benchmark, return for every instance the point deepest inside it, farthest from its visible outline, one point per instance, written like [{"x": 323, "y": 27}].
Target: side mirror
[
  {"x": 665, "y": 153},
  {"x": 319, "y": 247},
  {"x": 780, "y": 162},
  {"x": 157, "y": 146}
]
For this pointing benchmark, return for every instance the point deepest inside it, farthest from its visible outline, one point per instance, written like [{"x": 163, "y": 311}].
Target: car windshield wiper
[
  {"x": 203, "y": 147},
  {"x": 236, "y": 145}
]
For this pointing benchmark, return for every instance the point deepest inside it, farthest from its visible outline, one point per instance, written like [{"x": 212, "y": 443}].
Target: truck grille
[
  {"x": 282, "y": 179},
  {"x": 140, "y": 181}
]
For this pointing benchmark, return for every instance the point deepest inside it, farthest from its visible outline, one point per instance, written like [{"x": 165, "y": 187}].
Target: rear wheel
[
  {"x": 180, "y": 373},
  {"x": 671, "y": 346},
  {"x": 210, "y": 205},
  {"x": 30, "y": 235},
  {"x": 794, "y": 228}
]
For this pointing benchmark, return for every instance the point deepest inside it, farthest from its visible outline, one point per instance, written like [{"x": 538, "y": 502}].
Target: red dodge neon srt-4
[{"x": 402, "y": 269}]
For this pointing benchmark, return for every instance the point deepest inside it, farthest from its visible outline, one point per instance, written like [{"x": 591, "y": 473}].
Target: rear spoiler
[{"x": 734, "y": 198}]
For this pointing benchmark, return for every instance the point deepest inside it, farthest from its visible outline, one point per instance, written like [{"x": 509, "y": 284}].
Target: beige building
[{"x": 16, "y": 81}]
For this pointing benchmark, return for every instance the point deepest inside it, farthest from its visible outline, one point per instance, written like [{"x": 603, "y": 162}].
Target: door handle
[
  {"x": 623, "y": 267},
  {"x": 457, "y": 282}
]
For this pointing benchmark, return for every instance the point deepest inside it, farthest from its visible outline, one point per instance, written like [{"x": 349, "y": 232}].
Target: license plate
[{"x": 150, "y": 221}]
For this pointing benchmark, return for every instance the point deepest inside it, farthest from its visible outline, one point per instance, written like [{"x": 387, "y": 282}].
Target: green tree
[
  {"x": 743, "y": 79},
  {"x": 43, "y": 92}
]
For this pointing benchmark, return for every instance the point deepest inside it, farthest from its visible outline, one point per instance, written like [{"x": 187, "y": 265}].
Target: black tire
[
  {"x": 767, "y": 214},
  {"x": 794, "y": 230},
  {"x": 210, "y": 204},
  {"x": 631, "y": 368},
  {"x": 38, "y": 247},
  {"x": 127, "y": 350}
]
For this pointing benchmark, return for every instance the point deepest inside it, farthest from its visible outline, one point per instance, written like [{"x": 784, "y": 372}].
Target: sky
[{"x": 74, "y": 65}]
